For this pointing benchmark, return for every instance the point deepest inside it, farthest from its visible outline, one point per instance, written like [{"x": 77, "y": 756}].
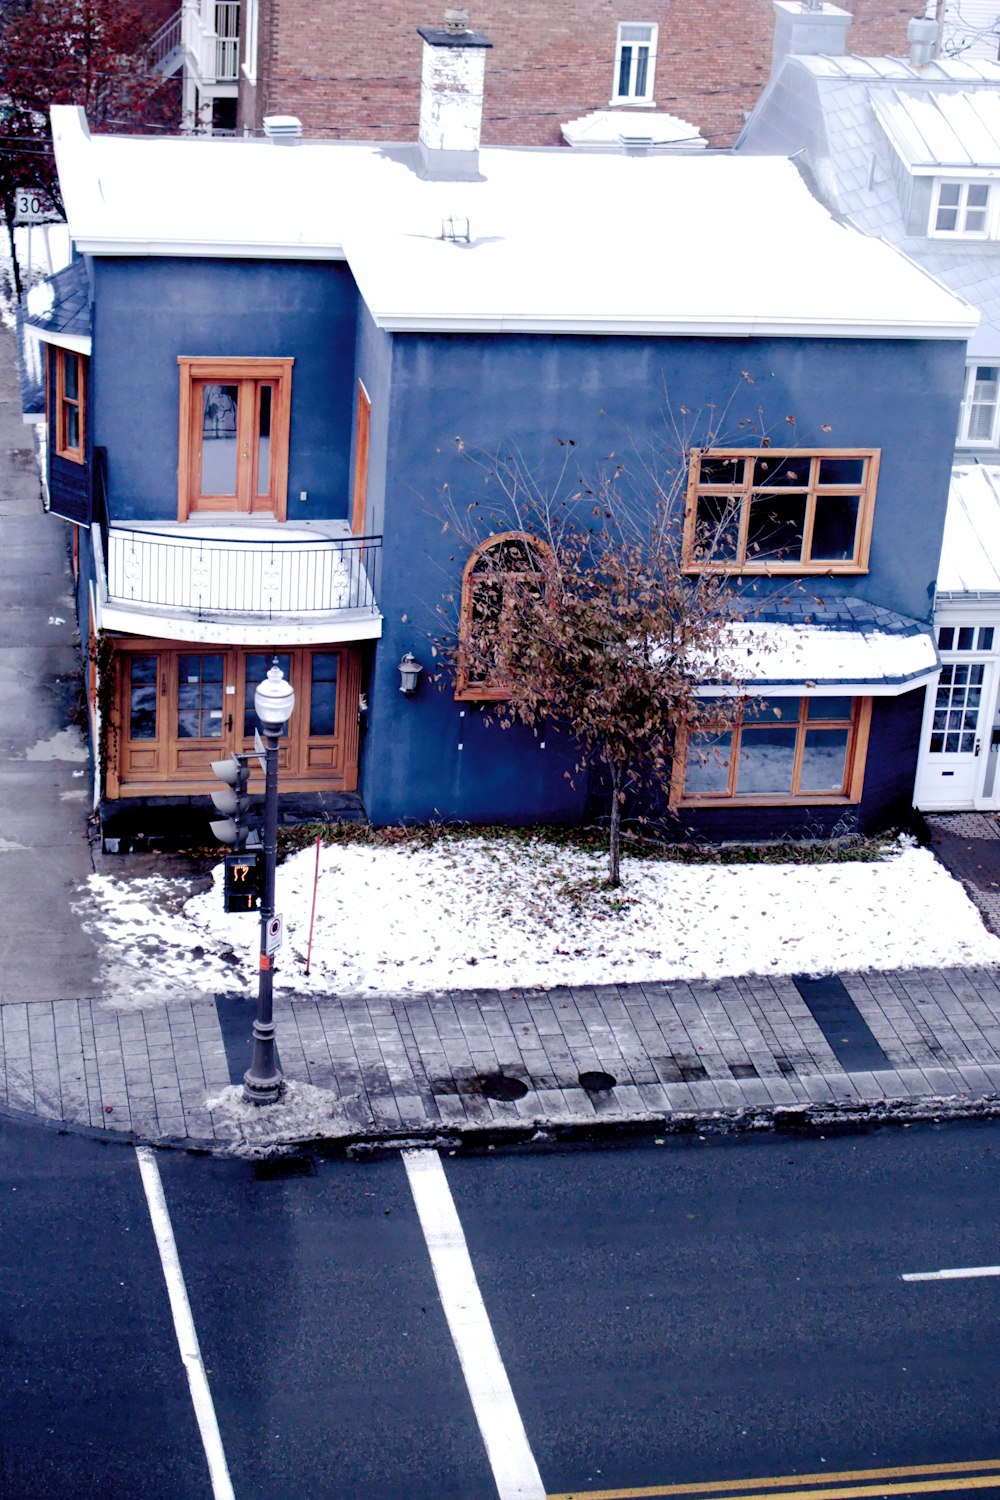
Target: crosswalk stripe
[{"x": 514, "y": 1469}]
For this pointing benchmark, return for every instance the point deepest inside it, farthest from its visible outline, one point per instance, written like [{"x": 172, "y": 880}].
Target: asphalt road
[{"x": 696, "y": 1314}]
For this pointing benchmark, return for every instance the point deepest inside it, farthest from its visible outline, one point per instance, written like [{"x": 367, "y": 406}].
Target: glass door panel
[
  {"x": 200, "y": 696},
  {"x": 219, "y": 438}
]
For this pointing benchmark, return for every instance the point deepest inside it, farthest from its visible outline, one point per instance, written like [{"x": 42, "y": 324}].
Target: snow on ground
[{"x": 481, "y": 913}]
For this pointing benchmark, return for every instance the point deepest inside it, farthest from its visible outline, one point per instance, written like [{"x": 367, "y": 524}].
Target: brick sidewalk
[{"x": 395, "y": 1066}]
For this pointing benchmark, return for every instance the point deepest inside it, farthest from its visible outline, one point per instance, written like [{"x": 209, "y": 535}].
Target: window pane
[
  {"x": 841, "y": 471},
  {"x": 986, "y": 638},
  {"x": 72, "y": 426},
  {"x": 776, "y": 526},
  {"x": 978, "y": 194},
  {"x": 641, "y": 70},
  {"x": 767, "y": 756},
  {"x": 770, "y": 710},
  {"x": 323, "y": 699},
  {"x": 256, "y": 668},
  {"x": 829, "y": 708},
  {"x": 199, "y": 697},
  {"x": 71, "y": 377},
  {"x": 142, "y": 698},
  {"x": 947, "y": 218},
  {"x": 945, "y": 637},
  {"x": 792, "y": 470},
  {"x": 835, "y": 527},
  {"x": 220, "y": 405},
  {"x": 717, "y": 528},
  {"x": 975, "y": 220},
  {"x": 950, "y": 193},
  {"x": 718, "y": 470},
  {"x": 624, "y": 72},
  {"x": 707, "y": 768},
  {"x": 264, "y": 441},
  {"x": 966, "y": 637},
  {"x": 824, "y": 760}
]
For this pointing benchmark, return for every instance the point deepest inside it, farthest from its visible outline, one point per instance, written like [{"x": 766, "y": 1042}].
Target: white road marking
[
  {"x": 187, "y": 1337},
  {"x": 514, "y": 1469},
  {"x": 954, "y": 1275}
]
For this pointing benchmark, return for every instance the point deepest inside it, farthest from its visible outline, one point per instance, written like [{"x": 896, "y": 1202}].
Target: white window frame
[
  {"x": 961, "y": 232},
  {"x": 964, "y": 438},
  {"x": 649, "y": 43},
  {"x": 250, "y": 54}
]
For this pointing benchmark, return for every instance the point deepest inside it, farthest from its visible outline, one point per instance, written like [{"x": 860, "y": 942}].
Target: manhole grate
[
  {"x": 597, "y": 1082},
  {"x": 500, "y": 1086}
]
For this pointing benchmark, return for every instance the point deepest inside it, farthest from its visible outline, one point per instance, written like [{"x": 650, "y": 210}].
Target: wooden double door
[{"x": 178, "y": 707}]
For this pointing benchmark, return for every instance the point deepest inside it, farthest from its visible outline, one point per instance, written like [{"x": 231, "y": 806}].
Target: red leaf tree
[{"x": 94, "y": 53}]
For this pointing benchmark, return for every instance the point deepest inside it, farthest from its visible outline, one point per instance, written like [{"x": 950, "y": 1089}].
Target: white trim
[
  {"x": 79, "y": 343},
  {"x": 962, "y": 182},
  {"x": 964, "y": 440},
  {"x": 738, "y": 328},
  {"x": 248, "y": 67},
  {"x": 819, "y": 689},
  {"x": 336, "y": 629},
  {"x": 645, "y": 98}
]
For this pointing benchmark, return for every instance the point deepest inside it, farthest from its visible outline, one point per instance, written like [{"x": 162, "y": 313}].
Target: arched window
[{"x": 504, "y": 571}]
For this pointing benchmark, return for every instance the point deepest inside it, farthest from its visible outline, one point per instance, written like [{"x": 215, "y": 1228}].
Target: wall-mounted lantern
[{"x": 409, "y": 674}]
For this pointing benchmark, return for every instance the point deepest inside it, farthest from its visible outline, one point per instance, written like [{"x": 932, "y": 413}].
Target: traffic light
[{"x": 233, "y": 801}]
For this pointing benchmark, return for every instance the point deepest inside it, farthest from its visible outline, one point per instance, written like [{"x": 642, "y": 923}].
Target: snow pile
[
  {"x": 303, "y": 1112},
  {"x": 483, "y": 913}
]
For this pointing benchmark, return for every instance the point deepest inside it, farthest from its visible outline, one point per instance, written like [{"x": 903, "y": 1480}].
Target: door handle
[
  {"x": 978, "y": 746},
  {"x": 229, "y": 727}
]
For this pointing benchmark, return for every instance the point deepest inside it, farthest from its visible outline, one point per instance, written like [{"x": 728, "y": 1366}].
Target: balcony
[
  {"x": 238, "y": 582},
  {"x": 205, "y": 36}
]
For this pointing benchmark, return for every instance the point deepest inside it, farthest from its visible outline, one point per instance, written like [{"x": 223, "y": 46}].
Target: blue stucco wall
[
  {"x": 609, "y": 395},
  {"x": 149, "y": 311}
]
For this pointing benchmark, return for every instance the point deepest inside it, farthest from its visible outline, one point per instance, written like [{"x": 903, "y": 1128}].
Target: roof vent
[
  {"x": 456, "y": 22},
  {"x": 456, "y": 230},
  {"x": 922, "y": 34},
  {"x": 283, "y": 130}
]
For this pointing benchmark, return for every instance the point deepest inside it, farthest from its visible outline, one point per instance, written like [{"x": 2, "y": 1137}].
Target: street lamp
[{"x": 273, "y": 702}]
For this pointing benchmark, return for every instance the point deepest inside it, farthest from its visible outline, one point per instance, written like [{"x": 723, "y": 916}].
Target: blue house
[{"x": 288, "y": 349}]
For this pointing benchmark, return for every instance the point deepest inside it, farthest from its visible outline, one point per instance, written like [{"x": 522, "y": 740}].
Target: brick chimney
[
  {"x": 451, "y": 98},
  {"x": 806, "y": 27}
]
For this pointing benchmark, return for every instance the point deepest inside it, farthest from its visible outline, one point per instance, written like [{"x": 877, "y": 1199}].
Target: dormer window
[
  {"x": 635, "y": 63},
  {"x": 980, "y": 407},
  {"x": 961, "y": 209}
]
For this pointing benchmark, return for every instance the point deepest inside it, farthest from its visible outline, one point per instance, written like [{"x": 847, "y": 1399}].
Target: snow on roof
[
  {"x": 560, "y": 240},
  {"x": 970, "y": 552},
  {"x": 770, "y": 654},
  {"x": 940, "y": 128},
  {"x": 606, "y": 128}
]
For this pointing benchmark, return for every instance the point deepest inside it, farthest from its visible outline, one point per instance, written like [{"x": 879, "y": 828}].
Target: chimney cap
[{"x": 454, "y": 33}]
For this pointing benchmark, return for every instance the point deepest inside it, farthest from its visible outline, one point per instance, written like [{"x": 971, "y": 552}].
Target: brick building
[{"x": 352, "y": 74}]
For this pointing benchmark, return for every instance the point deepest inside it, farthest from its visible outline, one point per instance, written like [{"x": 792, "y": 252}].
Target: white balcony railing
[
  {"x": 211, "y": 39},
  {"x": 260, "y": 579}
]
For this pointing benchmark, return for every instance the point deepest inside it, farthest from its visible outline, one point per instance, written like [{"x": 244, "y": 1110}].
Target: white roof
[
  {"x": 772, "y": 656},
  {"x": 561, "y": 241},
  {"x": 938, "y": 128},
  {"x": 970, "y": 552}
]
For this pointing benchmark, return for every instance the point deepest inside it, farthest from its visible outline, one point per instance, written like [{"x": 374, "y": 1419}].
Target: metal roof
[
  {"x": 970, "y": 552},
  {"x": 933, "y": 129}
]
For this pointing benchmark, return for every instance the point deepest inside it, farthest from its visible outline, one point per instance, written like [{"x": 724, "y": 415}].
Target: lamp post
[{"x": 273, "y": 702}]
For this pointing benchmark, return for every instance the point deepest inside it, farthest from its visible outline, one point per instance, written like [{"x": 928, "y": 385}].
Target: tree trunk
[
  {"x": 8, "y": 213},
  {"x": 615, "y": 829}
]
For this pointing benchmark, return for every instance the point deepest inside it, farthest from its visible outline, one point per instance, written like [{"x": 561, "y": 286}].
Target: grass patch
[{"x": 850, "y": 849}]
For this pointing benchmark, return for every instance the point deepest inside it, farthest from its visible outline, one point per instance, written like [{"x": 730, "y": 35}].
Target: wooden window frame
[
  {"x": 362, "y": 443},
  {"x": 75, "y": 454},
  {"x": 742, "y": 495},
  {"x": 248, "y": 370},
  {"x": 854, "y": 762},
  {"x": 308, "y": 762},
  {"x": 493, "y": 691}
]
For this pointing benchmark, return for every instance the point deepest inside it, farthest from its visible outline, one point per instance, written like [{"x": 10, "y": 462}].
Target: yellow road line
[{"x": 727, "y": 1488}]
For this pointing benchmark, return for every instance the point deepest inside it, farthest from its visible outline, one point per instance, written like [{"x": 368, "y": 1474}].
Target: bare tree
[{"x": 577, "y": 608}]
